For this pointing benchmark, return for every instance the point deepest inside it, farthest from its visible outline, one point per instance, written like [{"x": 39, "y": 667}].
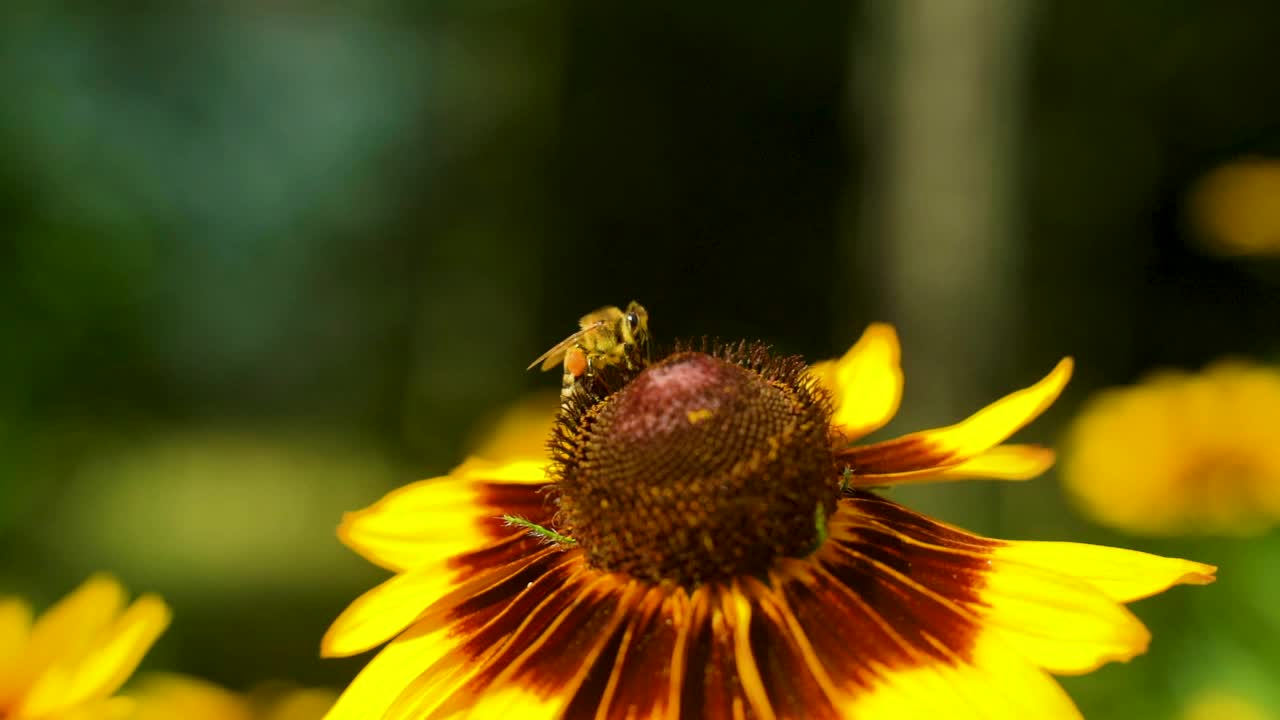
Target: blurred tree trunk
[{"x": 937, "y": 104}]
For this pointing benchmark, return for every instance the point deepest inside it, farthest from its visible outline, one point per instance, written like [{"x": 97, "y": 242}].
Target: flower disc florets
[{"x": 704, "y": 466}]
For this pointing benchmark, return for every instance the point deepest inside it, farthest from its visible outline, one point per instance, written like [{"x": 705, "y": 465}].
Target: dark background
[{"x": 260, "y": 263}]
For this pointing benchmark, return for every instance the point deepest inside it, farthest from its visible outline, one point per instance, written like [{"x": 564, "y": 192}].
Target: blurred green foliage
[{"x": 260, "y": 264}]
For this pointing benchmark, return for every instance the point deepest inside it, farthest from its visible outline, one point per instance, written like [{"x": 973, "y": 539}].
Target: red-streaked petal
[
  {"x": 390, "y": 607},
  {"x": 492, "y": 628},
  {"x": 797, "y": 684},
  {"x": 1002, "y": 462},
  {"x": 389, "y": 673},
  {"x": 1122, "y": 575},
  {"x": 386, "y": 610},
  {"x": 957, "y": 443},
  {"x": 712, "y": 687},
  {"x": 865, "y": 384},
  {"x": 1037, "y": 596},
  {"x": 1055, "y": 621},
  {"x": 737, "y": 611},
  {"x": 639, "y": 674},
  {"x": 435, "y": 519},
  {"x": 538, "y": 679},
  {"x": 884, "y": 663},
  {"x": 897, "y": 624}
]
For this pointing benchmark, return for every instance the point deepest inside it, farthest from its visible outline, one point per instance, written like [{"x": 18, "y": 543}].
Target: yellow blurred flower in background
[
  {"x": 68, "y": 663},
  {"x": 1181, "y": 452},
  {"x": 1223, "y": 705},
  {"x": 1235, "y": 207},
  {"x": 169, "y": 696},
  {"x": 521, "y": 430}
]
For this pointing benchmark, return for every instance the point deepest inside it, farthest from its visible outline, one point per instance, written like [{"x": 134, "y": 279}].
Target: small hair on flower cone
[
  {"x": 68, "y": 663},
  {"x": 704, "y": 541},
  {"x": 1181, "y": 453}
]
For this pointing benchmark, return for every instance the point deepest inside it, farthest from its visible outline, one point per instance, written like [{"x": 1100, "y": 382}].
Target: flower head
[
  {"x": 70, "y": 661},
  {"x": 704, "y": 544},
  {"x": 1181, "y": 452}
]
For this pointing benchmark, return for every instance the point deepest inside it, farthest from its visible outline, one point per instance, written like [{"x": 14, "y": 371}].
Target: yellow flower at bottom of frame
[
  {"x": 68, "y": 663},
  {"x": 180, "y": 697},
  {"x": 1223, "y": 705},
  {"x": 1181, "y": 452},
  {"x": 704, "y": 541}
]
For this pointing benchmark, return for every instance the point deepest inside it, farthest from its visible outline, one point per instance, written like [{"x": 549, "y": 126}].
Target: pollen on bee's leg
[{"x": 575, "y": 362}]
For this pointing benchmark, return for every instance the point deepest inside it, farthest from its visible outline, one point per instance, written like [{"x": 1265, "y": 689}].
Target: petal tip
[
  {"x": 1060, "y": 375},
  {"x": 1198, "y": 574},
  {"x": 331, "y": 644},
  {"x": 153, "y": 611}
]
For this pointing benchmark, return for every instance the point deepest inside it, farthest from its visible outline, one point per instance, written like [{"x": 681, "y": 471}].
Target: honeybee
[{"x": 605, "y": 337}]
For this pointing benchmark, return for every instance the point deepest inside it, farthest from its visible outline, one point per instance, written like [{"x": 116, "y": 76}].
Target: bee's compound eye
[{"x": 633, "y": 320}]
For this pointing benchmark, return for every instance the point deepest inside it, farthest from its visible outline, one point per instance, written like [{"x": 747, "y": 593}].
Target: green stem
[{"x": 536, "y": 529}]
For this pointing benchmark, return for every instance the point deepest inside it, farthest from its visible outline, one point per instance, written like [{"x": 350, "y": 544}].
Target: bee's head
[{"x": 635, "y": 324}]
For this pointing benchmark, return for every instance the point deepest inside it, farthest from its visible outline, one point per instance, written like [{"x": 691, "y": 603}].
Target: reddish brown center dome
[{"x": 702, "y": 467}]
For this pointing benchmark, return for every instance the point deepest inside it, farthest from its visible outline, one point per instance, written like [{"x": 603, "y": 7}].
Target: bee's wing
[{"x": 555, "y": 355}]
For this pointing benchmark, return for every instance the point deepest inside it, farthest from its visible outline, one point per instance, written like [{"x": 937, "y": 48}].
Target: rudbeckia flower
[
  {"x": 1181, "y": 452},
  {"x": 180, "y": 697},
  {"x": 68, "y": 663},
  {"x": 705, "y": 543}
]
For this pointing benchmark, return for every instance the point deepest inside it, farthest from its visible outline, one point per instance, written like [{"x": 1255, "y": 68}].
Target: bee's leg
[{"x": 567, "y": 383}]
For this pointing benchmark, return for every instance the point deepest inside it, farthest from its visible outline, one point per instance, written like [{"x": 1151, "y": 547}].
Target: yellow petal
[
  {"x": 865, "y": 384},
  {"x": 737, "y": 613},
  {"x": 65, "y": 631},
  {"x": 1122, "y": 575},
  {"x": 1002, "y": 462},
  {"x": 945, "y": 447},
  {"x": 310, "y": 704},
  {"x": 385, "y": 610},
  {"x": 995, "y": 684},
  {"x": 431, "y": 520},
  {"x": 116, "y": 708},
  {"x": 15, "y": 629},
  {"x": 168, "y": 696},
  {"x": 113, "y": 657},
  {"x": 991, "y": 425},
  {"x": 389, "y": 673},
  {"x": 522, "y": 429},
  {"x": 1064, "y": 625}
]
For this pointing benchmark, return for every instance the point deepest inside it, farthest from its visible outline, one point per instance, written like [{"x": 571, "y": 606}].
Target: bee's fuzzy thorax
[{"x": 708, "y": 464}]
